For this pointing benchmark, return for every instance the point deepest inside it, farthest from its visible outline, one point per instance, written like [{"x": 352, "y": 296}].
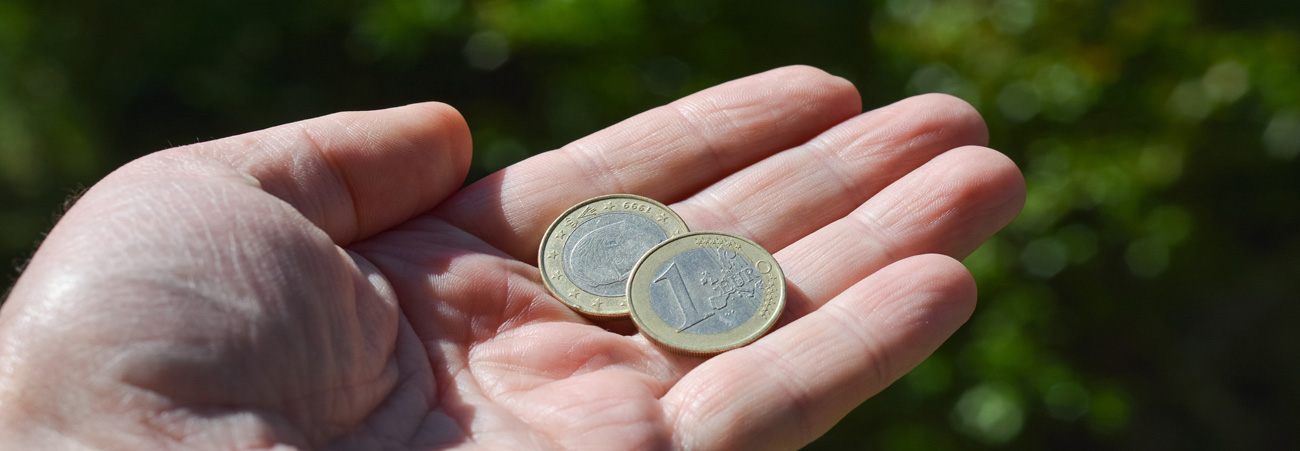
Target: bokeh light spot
[
  {"x": 1012, "y": 16},
  {"x": 1226, "y": 81},
  {"x": 1189, "y": 101},
  {"x": 487, "y": 50},
  {"x": 1018, "y": 101},
  {"x": 1169, "y": 224},
  {"x": 1067, "y": 401},
  {"x": 908, "y": 11},
  {"x": 1282, "y": 136},
  {"x": 1045, "y": 257},
  {"x": 1080, "y": 241},
  {"x": 991, "y": 413},
  {"x": 1108, "y": 411},
  {"x": 1160, "y": 164}
]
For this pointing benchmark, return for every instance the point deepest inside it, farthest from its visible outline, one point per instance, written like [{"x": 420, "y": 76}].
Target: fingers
[
  {"x": 351, "y": 174},
  {"x": 948, "y": 206},
  {"x": 791, "y": 194},
  {"x": 666, "y": 154},
  {"x": 791, "y": 386}
]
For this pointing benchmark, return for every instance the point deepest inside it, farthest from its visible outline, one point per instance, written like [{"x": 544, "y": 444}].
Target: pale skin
[{"x": 327, "y": 284}]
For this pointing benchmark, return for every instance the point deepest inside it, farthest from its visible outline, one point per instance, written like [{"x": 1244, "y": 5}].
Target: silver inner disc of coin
[
  {"x": 706, "y": 291},
  {"x": 601, "y": 252}
]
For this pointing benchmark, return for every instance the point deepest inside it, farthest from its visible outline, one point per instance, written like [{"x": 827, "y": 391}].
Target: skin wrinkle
[
  {"x": 679, "y": 414},
  {"x": 483, "y": 364},
  {"x": 593, "y": 161},
  {"x": 154, "y": 417},
  {"x": 410, "y": 380},
  {"x": 977, "y": 204},
  {"x": 532, "y": 312},
  {"x": 603, "y": 362},
  {"x": 870, "y": 228},
  {"x": 907, "y": 211},
  {"x": 318, "y": 148},
  {"x": 510, "y": 186},
  {"x": 496, "y": 387},
  {"x": 684, "y": 112},
  {"x": 453, "y": 171},
  {"x": 790, "y": 384},
  {"x": 353, "y": 292},
  {"x": 873, "y": 147},
  {"x": 956, "y": 188},
  {"x": 517, "y": 223},
  {"x": 722, "y": 215},
  {"x": 529, "y": 303},
  {"x": 881, "y": 365},
  {"x": 479, "y": 366},
  {"x": 913, "y": 314},
  {"x": 432, "y": 394},
  {"x": 370, "y": 144},
  {"x": 868, "y": 139},
  {"x": 239, "y": 303},
  {"x": 692, "y": 117},
  {"x": 461, "y": 372},
  {"x": 422, "y": 379},
  {"x": 154, "y": 421},
  {"x": 938, "y": 290},
  {"x": 436, "y": 416},
  {"x": 524, "y": 308},
  {"x": 935, "y": 124},
  {"x": 361, "y": 290},
  {"x": 485, "y": 318},
  {"x": 547, "y": 413},
  {"x": 422, "y": 419},
  {"x": 615, "y": 405},
  {"x": 831, "y": 162},
  {"x": 803, "y": 103}
]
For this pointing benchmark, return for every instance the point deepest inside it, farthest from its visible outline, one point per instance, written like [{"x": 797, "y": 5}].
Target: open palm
[{"x": 328, "y": 284}]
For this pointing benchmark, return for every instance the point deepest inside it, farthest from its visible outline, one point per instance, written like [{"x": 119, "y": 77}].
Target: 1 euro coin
[
  {"x": 706, "y": 292},
  {"x": 588, "y": 252}
]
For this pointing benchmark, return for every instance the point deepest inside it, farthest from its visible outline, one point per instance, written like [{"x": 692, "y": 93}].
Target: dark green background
[{"x": 1145, "y": 299}]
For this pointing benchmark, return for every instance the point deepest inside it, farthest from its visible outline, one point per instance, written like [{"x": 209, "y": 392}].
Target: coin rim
[
  {"x": 560, "y": 292},
  {"x": 700, "y": 345}
]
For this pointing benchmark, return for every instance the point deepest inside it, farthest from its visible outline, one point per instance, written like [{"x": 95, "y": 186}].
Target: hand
[{"x": 327, "y": 284}]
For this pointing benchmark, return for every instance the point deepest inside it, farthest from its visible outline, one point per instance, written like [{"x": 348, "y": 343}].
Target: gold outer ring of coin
[
  {"x": 703, "y": 345},
  {"x": 552, "y": 268}
]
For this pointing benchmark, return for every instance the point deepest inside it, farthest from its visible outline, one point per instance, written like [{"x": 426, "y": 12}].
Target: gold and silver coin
[
  {"x": 588, "y": 252},
  {"x": 706, "y": 292}
]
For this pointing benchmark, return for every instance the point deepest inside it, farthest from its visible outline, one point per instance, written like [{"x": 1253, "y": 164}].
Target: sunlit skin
[{"x": 327, "y": 284}]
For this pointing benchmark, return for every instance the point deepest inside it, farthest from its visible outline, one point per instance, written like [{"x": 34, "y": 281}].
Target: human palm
[{"x": 328, "y": 284}]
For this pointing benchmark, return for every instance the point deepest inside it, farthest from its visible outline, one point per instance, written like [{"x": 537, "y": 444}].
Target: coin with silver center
[
  {"x": 706, "y": 292},
  {"x": 587, "y": 253}
]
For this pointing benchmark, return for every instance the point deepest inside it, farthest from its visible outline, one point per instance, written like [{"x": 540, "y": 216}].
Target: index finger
[{"x": 665, "y": 154}]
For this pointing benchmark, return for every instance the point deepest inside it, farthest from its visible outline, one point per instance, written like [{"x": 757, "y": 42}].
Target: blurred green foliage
[{"x": 1146, "y": 298}]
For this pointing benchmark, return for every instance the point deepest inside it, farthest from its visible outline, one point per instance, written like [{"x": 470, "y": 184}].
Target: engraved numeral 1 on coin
[{"x": 681, "y": 296}]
